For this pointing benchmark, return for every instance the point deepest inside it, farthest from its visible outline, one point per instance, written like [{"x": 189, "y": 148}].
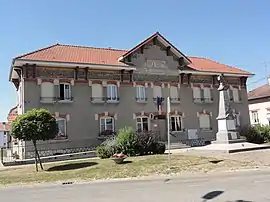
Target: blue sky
[{"x": 231, "y": 32}]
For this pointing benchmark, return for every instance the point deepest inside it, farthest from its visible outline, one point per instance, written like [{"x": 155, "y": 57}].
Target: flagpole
[{"x": 168, "y": 131}]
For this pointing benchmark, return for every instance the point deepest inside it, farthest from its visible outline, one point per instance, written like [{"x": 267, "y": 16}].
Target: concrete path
[{"x": 235, "y": 187}]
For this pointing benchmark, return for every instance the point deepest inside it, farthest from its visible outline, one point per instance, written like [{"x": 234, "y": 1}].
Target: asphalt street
[{"x": 248, "y": 186}]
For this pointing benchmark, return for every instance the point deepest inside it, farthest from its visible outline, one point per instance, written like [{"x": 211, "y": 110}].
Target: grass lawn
[{"x": 92, "y": 169}]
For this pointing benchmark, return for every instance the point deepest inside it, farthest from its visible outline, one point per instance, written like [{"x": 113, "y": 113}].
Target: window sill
[
  {"x": 141, "y": 101},
  {"x": 97, "y": 102},
  {"x": 47, "y": 102},
  {"x": 65, "y": 101},
  {"x": 112, "y": 101},
  {"x": 175, "y": 101},
  {"x": 206, "y": 130}
]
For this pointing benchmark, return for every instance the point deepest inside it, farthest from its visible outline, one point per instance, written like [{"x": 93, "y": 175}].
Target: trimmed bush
[
  {"x": 131, "y": 143},
  {"x": 257, "y": 134}
]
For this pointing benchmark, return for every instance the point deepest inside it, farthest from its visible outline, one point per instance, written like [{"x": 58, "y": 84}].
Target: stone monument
[
  {"x": 227, "y": 137},
  {"x": 227, "y": 132}
]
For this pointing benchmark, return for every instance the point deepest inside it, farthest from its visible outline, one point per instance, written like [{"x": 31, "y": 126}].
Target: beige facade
[{"x": 91, "y": 103}]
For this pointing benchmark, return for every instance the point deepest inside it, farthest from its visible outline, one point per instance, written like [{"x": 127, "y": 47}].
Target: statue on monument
[{"x": 223, "y": 86}]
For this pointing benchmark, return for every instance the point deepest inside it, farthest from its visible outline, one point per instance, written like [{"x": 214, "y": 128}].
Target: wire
[{"x": 257, "y": 81}]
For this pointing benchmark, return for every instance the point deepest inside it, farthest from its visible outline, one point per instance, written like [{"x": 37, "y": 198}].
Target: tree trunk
[{"x": 37, "y": 154}]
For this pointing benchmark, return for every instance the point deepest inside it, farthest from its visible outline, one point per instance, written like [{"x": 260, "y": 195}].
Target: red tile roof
[
  {"x": 108, "y": 56},
  {"x": 260, "y": 92}
]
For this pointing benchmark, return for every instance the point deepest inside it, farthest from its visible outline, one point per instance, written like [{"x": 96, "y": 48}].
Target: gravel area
[{"x": 258, "y": 157}]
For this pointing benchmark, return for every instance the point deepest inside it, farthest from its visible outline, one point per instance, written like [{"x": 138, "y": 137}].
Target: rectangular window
[
  {"x": 236, "y": 97},
  {"x": 207, "y": 94},
  {"x": 255, "y": 117},
  {"x": 65, "y": 91},
  {"x": 97, "y": 93},
  {"x": 142, "y": 124},
  {"x": 62, "y": 129},
  {"x": 176, "y": 123},
  {"x": 204, "y": 121},
  {"x": 112, "y": 94},
  {"x": 197, "y": 94},
  {"x": 237, "y": 119},
  {"x": 140, "y": 93},
  {"x": 174, "y": 95},
  {"x": 107, "y": 125},
  {"x": 47, "y": 92}
]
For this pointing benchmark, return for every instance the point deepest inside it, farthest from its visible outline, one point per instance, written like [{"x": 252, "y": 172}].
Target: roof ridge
[
  {"x": 41, "y": 49},
  {"x": 83, "y": 46}
]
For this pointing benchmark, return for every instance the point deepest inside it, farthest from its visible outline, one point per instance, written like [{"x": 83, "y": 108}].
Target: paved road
[{"x": 248, "y": 186}]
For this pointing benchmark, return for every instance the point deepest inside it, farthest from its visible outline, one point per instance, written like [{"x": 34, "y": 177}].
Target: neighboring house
[
  {"x": 5, "y": 139},
  {"x": 259, "y": 104},
  {"x": 95, "y": 91}
]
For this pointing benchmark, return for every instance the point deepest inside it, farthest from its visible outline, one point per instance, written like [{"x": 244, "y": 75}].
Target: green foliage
[
  {"x": 126, "y": 140},
  {"x": 159, "y": 148},
  {"x": 131, "y": 144},
  {"x": 256, "y": 134},
  {"x": 36, "y": 124}
]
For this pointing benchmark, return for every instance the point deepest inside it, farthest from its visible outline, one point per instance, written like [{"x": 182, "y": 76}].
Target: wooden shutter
[
  {"x": 207, "y": 93},
  {"x": 174, "y": 92},
  {"x": 47, "y": 91},
  {"x": 204, "y": 120},
  {"x": 196, "y": 92},
  {"x": 157, "y": 91},
  {"x": 235, "y": 93},
  {"x": 97, "y": 91}
]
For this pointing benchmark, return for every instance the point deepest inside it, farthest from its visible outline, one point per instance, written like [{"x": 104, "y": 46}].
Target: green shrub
[
  {"x": 131, "y": 144},
  {"x": 108, "y": 148},
  {"x": 252, "y": 134},
  {"x": 160, "y": 148},
  {"x": 126, "y": 141},
  {"x": 102, "y": 152},
  {"x": 145, "y": 143}
]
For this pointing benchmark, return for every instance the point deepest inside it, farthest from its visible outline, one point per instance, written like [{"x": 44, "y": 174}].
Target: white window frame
[
  {"x": 66, "y": 97},
  {"x": 112, "y": 88},
  {"x": 179, "y": 119},
  {"x": 255, "y": 117},
  {"x": 65, "y": 130},
  {"x": 105, "y": 123},
  {"x": 141, "y": 123},
  {"x": 205, "y": 128},
  {"x": 140, "y": 93},
  {"x": 207, "y": 98}
]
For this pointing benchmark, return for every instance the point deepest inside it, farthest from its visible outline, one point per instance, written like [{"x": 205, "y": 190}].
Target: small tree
[{"x": 35, "y": 125}]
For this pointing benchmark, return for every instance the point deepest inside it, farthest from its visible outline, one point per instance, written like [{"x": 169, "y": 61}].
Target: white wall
[{"x": 261, "y": 108}]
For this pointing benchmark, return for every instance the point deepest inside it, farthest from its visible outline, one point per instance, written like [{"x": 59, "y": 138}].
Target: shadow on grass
[
  {"x": 72, "y": 166},
  {"x": 126, "y": 162}
]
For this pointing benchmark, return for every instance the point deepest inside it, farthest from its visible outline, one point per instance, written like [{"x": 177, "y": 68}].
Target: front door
[{"x": 159, "y": 126}]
